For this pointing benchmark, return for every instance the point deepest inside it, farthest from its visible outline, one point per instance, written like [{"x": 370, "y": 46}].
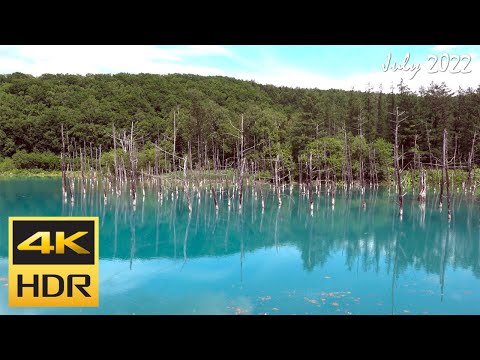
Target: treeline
[{"x": 339, "y": 128}]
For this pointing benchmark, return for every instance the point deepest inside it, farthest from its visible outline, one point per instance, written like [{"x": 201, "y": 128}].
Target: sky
[{"x": 305, "y": 66}]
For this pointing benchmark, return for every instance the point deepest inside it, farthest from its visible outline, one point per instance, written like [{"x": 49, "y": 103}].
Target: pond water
[{"x": 159, "y": 259}]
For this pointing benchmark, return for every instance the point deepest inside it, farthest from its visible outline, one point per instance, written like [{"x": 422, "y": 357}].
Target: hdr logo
[{"x": 53, "y": 261}]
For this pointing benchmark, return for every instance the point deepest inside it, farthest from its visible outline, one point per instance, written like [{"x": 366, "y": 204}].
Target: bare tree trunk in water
[
  {"x": 397, "y": 122},
  {"x": 185, "y": 178},
  {"x": 442, "y": 181},
  {"x": 277, "y": 180},
  {"x": 64, "y": 176},
  {"x": 241, "y": 167},
  {"x": 115, "y": 156},
  {"x": 445, "y": 165},
  {"x": 83, "y": 172},
  {"x": 422, "y": 193},
  {"x": 470, "y": 164},
  {"x": 334, "y": 188},
  {"x": 300, "y": 172},
  {"x": 310, "y": 191},
  {"x": 423, "y": 186},
  {"x": 240, "y": 189},
  {"x": 174, "y": 166},
  {"x": 360, "y": 123}
]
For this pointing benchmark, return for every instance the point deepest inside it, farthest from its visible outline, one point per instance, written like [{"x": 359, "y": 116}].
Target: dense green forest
[{"x": 277, "y": 120}]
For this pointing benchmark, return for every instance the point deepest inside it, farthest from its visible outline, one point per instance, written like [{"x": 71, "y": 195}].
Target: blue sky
[{"x": 321, "y": 66}]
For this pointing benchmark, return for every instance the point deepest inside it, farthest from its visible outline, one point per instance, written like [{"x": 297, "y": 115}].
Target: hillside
[{"x": 32, "y": 110}]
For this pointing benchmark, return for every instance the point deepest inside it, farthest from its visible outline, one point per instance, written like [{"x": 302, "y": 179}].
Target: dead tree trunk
[
  {"x": 277, "y": 180},
  {"x": 442, "y": 181},
  {"x": 261, "y": 196},
  {"x": 276, "y": 172},
  {"x": 360, "y": 132},
  {"x": 422, "y": 194},
  {"x": 422, "y": 176},
  {"x": 82, "y": 168},
  {"x": 445, "y": 166},
  {"x": 240, "y": 188},
  {"x": 133, "y": 170},
  {"x": 69, "y": 181},
  {"x": 143, "y": 185},
  {"x": 229, "y": 203},
  {"x": 310, "y": 191},
  {"x": 300, "y": 172},
  {"x": 190, "y": 155},
  {"x": 454, "y": 161},
  {"x": 397, "y": 122},
  {"x": 470, "y": 164},
  {"x": 115, "y": 165},
  {"x": 174, "y": 140},
  {"x": 319, "y": 181},
  {"x": 69, "y": 187},
  {"x": 325, "y": 167},
  {"x": 402, "y": 157},
  {"x": 124, "y": 169},
  {"x": 185, "y": 179},
  {"x": 100, "y": 160},
  {"x": 334, "y": 188},
  {"x": 241, "y": 168},
  {"x": 64, "y": 176}
]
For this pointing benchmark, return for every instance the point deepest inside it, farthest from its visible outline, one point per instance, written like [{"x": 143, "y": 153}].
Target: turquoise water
[{"x": 288, "y": 260}]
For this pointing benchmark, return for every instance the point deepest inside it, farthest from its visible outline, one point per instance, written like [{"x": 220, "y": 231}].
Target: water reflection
[{"x": 362, "y": 233}]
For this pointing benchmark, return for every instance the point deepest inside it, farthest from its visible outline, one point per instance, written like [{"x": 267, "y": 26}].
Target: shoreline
[{"x": 29, "y": 174}]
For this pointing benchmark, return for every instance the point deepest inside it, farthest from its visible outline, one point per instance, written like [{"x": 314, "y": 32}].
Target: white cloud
[
  {"x": 209, "y": 50},
  {"x": 294, "y": 77},
  {"x": 443, "y": 47},
  {"x": 84, "y": 59}
]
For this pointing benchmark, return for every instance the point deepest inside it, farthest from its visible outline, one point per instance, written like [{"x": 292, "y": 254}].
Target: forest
[{"x": 345, "y": 132}]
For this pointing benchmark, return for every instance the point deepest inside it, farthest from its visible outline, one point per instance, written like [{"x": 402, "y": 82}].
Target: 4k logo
[
  {"x": 45, "y": 247},
  {"x": 53, "y": 261}
]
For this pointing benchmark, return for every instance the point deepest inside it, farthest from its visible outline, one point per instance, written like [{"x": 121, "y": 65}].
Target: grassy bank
[
  {"x": 29, "y": 173},
  {"x": 457, "y": 177}
]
